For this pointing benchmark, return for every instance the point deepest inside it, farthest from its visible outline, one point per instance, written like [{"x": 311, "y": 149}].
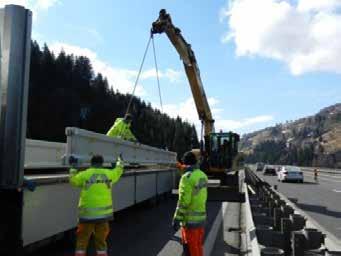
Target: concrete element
[
  {"x": 83, "y": 144},
  {"x": 49, "y": 210},
  {"x": 229, "y": 234},
  {"x": 44, "y": 154},
  {"x": 306, "y": 240},
  {"x": 318, "y": 202},
  {"x": 15, "y": 52},
  {"x": 249, "y": 243},
  {"x": 54, "y": 199}
]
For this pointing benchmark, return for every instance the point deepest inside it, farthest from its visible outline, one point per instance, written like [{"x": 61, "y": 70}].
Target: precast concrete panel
[
  {"x": 44, "y": 154},
  {"x": 83, "y": 144},
  {"x": 145, "y": 186},
  {"x": 124, "y": 193},
  {"x": 164, "y": 182},
  {"x": 49, "y": 210}
]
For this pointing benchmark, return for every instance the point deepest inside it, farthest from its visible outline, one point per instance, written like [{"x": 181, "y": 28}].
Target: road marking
[{"x": 337, "y": 191}]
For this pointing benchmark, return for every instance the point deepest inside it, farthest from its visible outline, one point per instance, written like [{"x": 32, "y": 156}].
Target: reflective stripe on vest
[
  {"x": 195, "y": 224},
  {"x": 104, "y": 216},
  {"x": 95, "y": 209},
  {"x": 196, "y": 214}
]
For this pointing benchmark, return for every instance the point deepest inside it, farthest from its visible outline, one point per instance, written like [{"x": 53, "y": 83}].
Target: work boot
[
  {"x": 102, "y": 253},
  {"x": 80, "y": 253}
]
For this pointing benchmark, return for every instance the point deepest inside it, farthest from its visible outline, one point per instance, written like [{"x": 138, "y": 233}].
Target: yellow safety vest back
[{"x": 95, "y": 203}]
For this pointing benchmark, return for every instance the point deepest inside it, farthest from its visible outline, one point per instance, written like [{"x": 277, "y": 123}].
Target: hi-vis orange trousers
[
  {"x": 100, "y": 232},
  {"x": 192, "y": 239}
]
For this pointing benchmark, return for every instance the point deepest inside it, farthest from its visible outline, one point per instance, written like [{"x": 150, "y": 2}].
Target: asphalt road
[
  {"x": 320, "y": 201},
  {"x": 144, "y": 229}
]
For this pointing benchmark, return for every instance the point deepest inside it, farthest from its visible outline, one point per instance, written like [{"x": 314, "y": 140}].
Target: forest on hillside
[
  {"x": 64, "y": 91},
  {"x": 310, "y": 141}
]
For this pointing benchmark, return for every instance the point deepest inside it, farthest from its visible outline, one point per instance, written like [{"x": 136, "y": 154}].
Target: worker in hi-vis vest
[
  {"x": 95, "y": 203},
  {"x": 190, "y": 212},
  {"x": 121, "y": 128}
]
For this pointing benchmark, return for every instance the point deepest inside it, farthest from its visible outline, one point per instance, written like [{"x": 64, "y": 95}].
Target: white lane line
[{"x": 337, "y": 191}]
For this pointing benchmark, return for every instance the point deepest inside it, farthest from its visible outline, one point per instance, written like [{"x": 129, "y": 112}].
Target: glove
[
  {"x": 73, "y": 161},
  {"x": 29, "y": 184},
  {"x": 73, "y": 171},
  {"x": 175, "y": 225}
]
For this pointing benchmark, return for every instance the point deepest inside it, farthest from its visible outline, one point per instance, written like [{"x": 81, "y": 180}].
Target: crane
[{"x": 217, "y": 150}]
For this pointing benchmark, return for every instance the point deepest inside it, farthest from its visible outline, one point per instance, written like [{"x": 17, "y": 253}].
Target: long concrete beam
[{"x": 83, "y": 144}]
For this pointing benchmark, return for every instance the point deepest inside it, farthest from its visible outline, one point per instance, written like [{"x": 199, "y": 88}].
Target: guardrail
[{"x": 83, "y": 144}]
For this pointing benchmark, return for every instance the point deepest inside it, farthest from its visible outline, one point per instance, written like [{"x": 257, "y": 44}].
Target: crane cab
[{"x": 220, "y": 150}]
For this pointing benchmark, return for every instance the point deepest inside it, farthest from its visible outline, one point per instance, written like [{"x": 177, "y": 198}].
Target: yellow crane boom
[{"x": 164, "y": 25}]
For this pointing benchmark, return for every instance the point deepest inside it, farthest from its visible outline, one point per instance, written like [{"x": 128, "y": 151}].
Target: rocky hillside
[{"x": 310, "y": 141}]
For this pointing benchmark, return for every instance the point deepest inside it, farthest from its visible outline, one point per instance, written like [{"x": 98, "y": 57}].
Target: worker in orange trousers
[{"x": 190, "y": 212}]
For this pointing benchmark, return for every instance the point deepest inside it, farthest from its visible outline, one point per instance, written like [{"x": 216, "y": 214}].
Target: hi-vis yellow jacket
[
  {"x": 95, "y": 203},
  {"x": 191, "y": 208},
  {"x": 121, "y": 129}
]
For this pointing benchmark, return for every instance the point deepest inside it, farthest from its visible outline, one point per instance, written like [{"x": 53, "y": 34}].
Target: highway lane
[{"x": 321, "y": 201}]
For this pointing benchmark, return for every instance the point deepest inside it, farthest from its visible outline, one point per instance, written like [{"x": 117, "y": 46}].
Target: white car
[{"x": 290, "y": 173}]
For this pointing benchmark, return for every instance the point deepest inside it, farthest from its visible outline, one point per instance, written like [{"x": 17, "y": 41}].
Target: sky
[{"x": 262, "y": 62}]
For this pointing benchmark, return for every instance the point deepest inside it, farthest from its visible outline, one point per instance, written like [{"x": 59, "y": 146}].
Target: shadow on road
[
  {"x": 309, "y": 183},
  {"x": 319, "y": 209}
]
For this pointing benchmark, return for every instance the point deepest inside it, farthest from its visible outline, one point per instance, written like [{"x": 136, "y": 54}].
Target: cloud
[
  {"x": 32, "y": 4},
  {"x": 36, "y": 6},
  {"x": 43, "y": 4},
  {"x": 318, "y": 5},
  {"x": 304, "y": 36},
  {"x": 16, "y": 2},
  {"x": 121, "y": 79},
  {"x": 187, "y": 111},
  {"x": 244, "y": 123},
  {"x": 172, "y": 75}
]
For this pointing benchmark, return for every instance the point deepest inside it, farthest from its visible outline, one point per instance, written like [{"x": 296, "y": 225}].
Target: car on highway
[
  {"x": 259, "y": 167},
  {"x": 290, "y": 173},
  {"x": 269, "y": 170}
]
